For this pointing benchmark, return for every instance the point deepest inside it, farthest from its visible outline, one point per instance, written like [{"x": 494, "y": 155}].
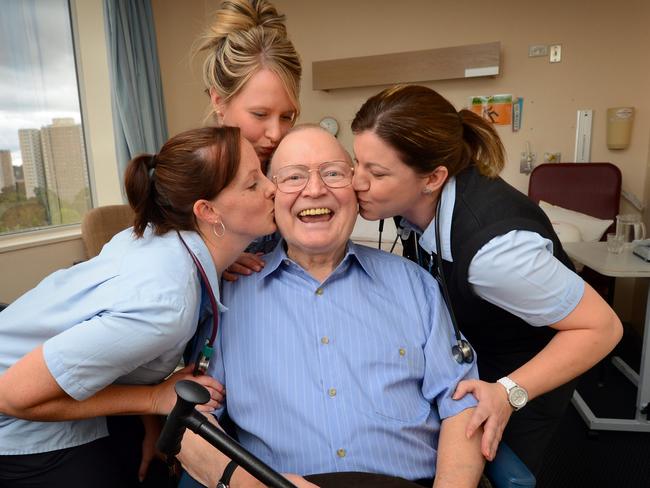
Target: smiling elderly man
[{"x": 337, "y": 357}]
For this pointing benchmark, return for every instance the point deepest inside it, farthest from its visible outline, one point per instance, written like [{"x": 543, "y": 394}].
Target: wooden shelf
[{"x": 414, "y": 66}]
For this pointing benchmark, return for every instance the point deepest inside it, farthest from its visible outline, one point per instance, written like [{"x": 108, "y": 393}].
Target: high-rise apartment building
[
  {"x": 64, "y": 160},
  {"x": 32, "y": 156},
  {"x": 6, "y": 169}
]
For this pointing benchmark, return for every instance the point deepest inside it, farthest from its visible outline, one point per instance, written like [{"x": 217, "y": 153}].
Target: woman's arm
[
  {"x": 584, "y": 337},
  {"x": 460, "y": 462},
  {"x": 29, "y": 391}
]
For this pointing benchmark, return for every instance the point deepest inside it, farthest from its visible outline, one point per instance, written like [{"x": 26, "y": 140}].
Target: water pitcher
[{"x": 630, "y": 227}]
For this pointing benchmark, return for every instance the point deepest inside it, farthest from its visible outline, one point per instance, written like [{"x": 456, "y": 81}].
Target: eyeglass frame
[{"x": 309, "y": 172}]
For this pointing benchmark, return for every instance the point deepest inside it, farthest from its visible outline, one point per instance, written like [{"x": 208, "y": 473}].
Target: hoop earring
[{"x": 214, "y": 229}]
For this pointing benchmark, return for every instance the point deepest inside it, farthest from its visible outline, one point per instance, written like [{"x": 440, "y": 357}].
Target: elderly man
[{"x": 337, "y": 357}]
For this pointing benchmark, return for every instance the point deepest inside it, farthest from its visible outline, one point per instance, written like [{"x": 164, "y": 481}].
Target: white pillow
[
  {"x": 591, "y": 229},
  {"x": 566, "y": 232}
]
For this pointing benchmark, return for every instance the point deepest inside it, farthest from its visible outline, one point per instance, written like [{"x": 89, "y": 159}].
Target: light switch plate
[{"x": 556, "y": 53}]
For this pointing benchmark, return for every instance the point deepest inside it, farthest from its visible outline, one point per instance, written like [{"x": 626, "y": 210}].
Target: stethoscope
[
  {"x": 461, "y": 351},
  {"x": 203, "y": 361}
]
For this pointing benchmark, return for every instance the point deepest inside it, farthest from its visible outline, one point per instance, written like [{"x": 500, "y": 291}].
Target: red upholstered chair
[{"x": 590, "y": 188}]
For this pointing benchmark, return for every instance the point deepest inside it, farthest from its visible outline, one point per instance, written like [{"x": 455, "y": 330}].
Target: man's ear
[
  {"x": 205, "y": 212},
  {"x": 436, "y": 179}
]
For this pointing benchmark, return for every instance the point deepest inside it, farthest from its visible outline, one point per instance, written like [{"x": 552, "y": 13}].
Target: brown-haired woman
[
  {"x": 534, "y": 324},
  {"x": 73, "y": 348}
]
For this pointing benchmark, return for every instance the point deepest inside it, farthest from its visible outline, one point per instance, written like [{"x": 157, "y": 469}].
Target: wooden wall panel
[{"x": 407, "y": 67}]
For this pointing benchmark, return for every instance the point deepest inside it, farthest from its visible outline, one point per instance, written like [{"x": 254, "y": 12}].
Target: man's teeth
[{"x": 315, "y": 211}]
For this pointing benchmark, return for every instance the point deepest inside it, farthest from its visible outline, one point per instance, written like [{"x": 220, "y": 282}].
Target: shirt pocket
[{"x": 395, "y": 383}]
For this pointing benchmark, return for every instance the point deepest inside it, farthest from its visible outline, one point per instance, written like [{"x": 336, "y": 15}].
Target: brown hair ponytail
[
  {"x": 191, "y": 166},
  {"x": 485, "y": 148}
]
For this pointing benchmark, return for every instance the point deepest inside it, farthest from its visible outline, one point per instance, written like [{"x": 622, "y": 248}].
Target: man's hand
[
  {"x": 299, "y": 481},
  {"x": 164, "y": 396},
  {"x": 493, "y": 412},
  {"x": 245, "y": 265}
]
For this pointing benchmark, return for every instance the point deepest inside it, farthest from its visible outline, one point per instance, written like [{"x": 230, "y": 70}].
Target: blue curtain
[{"x": 138, "y": 109}]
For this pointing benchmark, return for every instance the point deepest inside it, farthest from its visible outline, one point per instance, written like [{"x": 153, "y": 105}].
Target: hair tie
[{"x": 152, "y": 165}]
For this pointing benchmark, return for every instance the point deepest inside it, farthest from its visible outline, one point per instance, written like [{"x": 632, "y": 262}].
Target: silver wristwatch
[{"x": 517, "y": 396}]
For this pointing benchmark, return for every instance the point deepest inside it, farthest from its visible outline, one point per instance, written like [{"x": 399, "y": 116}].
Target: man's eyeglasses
[{"x": 294, "y": 178}]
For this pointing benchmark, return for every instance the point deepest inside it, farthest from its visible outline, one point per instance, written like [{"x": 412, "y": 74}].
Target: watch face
[{"x": 518, "y": 397}]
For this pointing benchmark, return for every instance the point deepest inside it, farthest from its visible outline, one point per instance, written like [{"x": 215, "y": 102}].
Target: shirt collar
[
  {"x": 428, "y": 237},
  {"x": 279, "y": 256},
  {"x": 200, "y": 250}
]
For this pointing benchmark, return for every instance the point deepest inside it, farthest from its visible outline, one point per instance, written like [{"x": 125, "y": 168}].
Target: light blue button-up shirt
[
  {"x": 124, "y": 316},
  {"x": 352, "y": 374},
  {"x": 515, "y": 271}
]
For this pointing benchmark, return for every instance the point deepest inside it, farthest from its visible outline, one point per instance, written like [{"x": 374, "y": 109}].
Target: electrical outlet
[
  {"x": 527, "y": 162},
  {"x": 537, "y": 50},
  {"x": 552, "y": 157}
]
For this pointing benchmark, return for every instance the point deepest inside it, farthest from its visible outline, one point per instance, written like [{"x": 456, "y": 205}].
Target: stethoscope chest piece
[{"x": 462, "y": 352}]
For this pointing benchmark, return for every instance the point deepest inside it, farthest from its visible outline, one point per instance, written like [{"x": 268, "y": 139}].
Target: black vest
[{"x": 486, "y": 208}]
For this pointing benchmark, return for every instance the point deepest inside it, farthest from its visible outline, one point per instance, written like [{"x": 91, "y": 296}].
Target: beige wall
[
  {"x": 603, "y": 65},
  {"x": 25, "y": 268}
]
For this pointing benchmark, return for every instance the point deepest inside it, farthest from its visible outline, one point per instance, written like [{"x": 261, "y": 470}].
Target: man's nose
[{"x": 315, "y": 185}]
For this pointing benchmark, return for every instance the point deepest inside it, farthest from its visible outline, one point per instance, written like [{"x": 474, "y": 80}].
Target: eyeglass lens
[{"x": 335, "y": 174}]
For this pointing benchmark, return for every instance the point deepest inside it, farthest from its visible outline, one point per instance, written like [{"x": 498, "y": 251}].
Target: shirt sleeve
[
  {"x": 442, "y": 372},
  {"x": 142, "y": 324},
  {"x": 518, "y": 273},
  {"x": 217, "y": 370}
]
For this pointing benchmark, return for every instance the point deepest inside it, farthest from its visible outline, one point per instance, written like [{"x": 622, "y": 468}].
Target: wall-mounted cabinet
[{"x": 408, "y": 67}]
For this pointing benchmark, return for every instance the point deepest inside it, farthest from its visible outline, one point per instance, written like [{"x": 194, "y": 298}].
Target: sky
[{"x": 37, "y": 69}]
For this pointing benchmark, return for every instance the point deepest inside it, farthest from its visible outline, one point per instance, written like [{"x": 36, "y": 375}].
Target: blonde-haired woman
[{"x": 252, "y": 74}]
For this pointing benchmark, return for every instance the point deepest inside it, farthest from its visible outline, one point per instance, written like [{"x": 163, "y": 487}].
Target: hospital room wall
[{"x": 604, "y": 64}]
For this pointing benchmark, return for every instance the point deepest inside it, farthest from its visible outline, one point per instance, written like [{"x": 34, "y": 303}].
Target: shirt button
[
  {"x": 332, "y": 392},
  {"x": 402, "y": 351},
  {"x": 341, "y": 453},
  {"x": 319, "y": 291},
  {"x": 325, "y": 340}
]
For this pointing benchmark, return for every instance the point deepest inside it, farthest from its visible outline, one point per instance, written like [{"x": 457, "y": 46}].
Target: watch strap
[
  {"x": 224, "y": 481},
  {"x": 517, "y": 395},
  {"x": 507, "y": 383}
]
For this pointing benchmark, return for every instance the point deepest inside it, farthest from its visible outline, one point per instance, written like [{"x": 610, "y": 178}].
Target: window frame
[{"x": 94, "y": 91}]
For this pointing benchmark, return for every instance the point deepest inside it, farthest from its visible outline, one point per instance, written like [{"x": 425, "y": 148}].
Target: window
[{"x": 43, "y": 165}]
